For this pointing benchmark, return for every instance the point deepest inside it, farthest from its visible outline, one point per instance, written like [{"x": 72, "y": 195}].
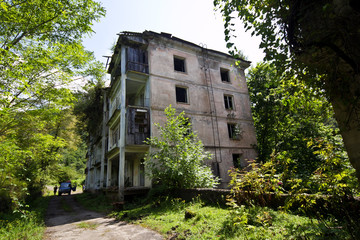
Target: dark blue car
[{"x": 65, "y": 187}]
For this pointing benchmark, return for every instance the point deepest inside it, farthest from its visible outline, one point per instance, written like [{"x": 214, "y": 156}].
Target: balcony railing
[{"x": 137, "y": 67}]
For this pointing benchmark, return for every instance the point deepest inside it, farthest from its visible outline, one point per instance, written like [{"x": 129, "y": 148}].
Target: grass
[
  {"x": 30, "y": 226},
  {"x": 87, "y": 225},
  {"x": 175, "y": 218}
]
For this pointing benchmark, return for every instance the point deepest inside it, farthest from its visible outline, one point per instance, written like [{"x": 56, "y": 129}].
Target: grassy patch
[
  {"x": 87, "y": 225},
  {"x": 175, "y": 218},
  {"x": 30, "y": 227},
  {"x": 98, "y": 203}
]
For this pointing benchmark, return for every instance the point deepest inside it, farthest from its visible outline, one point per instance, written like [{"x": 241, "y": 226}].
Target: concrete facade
[{"x": 149, "y": 71}]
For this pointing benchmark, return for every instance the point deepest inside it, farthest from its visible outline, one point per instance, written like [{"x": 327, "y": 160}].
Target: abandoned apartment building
[{"x": 149, "y": 71}]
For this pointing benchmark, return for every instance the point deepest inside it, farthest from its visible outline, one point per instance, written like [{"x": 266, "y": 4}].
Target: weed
[
  {"x": 29, "y": 226},
  {"x": 87, "y": 225}
]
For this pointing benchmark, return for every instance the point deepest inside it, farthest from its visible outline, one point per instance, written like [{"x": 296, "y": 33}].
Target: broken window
[
  {"x": 115, "y": 136},
  {"x": 179, "y": 64},
  {"x": 181, "y": 95},
  {"x": 233, "y": 131},
  {"x": 228, "y": 100},
  {"x": 236, "y": 160},
  {"x": 224, "y": 75}
]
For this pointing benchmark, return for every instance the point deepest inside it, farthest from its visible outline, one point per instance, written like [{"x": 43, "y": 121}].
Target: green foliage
[
  {"x": 29, "y": 225},
  {"x": 287, "y": 115},
  {"x": 89, "y": 110},
  {"x": 212, "y": 222},
  {"x": 314, "y": 41},
  {"x": 177, "y": 157},
  {"x": 41, "y": 55},
  {"x": 327, "y": 194},
  {"x": 257, "y": 183}
]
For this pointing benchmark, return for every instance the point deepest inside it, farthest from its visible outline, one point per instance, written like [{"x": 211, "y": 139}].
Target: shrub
[{"x": 177, "y": 157}]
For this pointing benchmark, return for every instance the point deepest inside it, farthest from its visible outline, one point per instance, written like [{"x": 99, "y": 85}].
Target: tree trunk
[{"x": 347, "y": 116}]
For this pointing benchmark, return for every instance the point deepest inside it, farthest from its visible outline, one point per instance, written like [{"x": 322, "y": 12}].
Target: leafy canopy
[
  {"x": 316, "y": 41},
  {"x": 41, "y": 54},
  {"x": 288, "y": 115}
]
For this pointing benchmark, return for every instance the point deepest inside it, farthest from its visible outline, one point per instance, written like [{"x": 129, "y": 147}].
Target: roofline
[
  {"x": 169, "y": 36},
  {"x": 148, "y": 34}
]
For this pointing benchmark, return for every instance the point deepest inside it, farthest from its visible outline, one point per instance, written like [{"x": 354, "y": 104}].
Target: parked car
[{"x": 65, "y": 187}]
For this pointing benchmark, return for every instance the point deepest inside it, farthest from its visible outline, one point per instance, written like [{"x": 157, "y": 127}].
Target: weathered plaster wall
[{"x": 164, "y": 79}]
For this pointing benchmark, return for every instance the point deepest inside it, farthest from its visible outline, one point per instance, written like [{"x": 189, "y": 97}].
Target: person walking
[{"x": 55, "y": 189}]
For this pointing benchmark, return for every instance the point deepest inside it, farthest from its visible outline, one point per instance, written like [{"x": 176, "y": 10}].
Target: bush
[{"x": 177, "y": 156}]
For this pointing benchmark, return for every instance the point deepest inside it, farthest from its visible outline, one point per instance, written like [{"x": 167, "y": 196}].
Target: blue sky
[{"x": 191, "y": 20}]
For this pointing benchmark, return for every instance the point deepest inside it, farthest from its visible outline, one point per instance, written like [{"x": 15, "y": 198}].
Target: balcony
[
  {"x": 138, "y": 125},
  {"x": 137, "y": 67}
]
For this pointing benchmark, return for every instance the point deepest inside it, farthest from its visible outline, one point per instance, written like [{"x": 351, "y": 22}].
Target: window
[
  {"x": 115, "y": 136},
  {"x": 224, "y": 75},
  {"x": 228, "y": 100},
  {"x": 233, "y": 131},
  {"x": 179, "y": 64},
  {"x": 181, "y": 95},
  {"x": 236, "y": 160}
]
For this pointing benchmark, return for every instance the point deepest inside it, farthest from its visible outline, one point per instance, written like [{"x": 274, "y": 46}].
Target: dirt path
[{"x": 66, "y": 219}]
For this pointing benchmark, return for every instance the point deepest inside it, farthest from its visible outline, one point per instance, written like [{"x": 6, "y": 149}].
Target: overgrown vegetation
[
  {"x": 41, "y": 55},
  {"x": 27, "y": 224},
  {"x": 177, "y": 156},
  {"x": 176, "y": 219},
  {"x": 314, "y": 41}
]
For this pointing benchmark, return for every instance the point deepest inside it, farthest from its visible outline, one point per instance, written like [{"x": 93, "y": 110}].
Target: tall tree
[
  {"x": 319, "y": 42},
  {"x": 40, "y": 56},
  {"x": 288, "y": 116}
]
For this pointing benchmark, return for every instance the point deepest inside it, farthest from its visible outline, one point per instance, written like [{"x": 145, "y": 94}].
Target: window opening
[
  {"x": 228, "y": 100},
  {"x": 179, "y": 64},
  {"x": 232, "y": 130},
  {"x": 181, "y": 95},
  {"x": 224, "y": 75},
  {"x": 236, "y": 160}
]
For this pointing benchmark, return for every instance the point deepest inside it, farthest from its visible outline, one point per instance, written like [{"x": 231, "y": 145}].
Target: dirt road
[{"x": 66, "y": 219}]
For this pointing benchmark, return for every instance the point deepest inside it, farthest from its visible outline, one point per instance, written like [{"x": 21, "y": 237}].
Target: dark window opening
[
  {"x": 179, "y": 64},
  {"x": 228, "y": 100},
  {"x": 142, "y": 172},
  {"x": 224, "y": 75},
  {"x": 236, "y": 160},
  {"x": 181, "y": 95},
  {"x": 215, "y": 169},
  {"x": 232, "y": 130}
]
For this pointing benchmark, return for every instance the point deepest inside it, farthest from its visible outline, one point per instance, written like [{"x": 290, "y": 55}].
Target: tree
[
  {"x": 40, "y": 56},
  {"x": 315, "y": 40},
  {"x": 288, "y": 115},
  {"x": 176, "y": 159}
]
